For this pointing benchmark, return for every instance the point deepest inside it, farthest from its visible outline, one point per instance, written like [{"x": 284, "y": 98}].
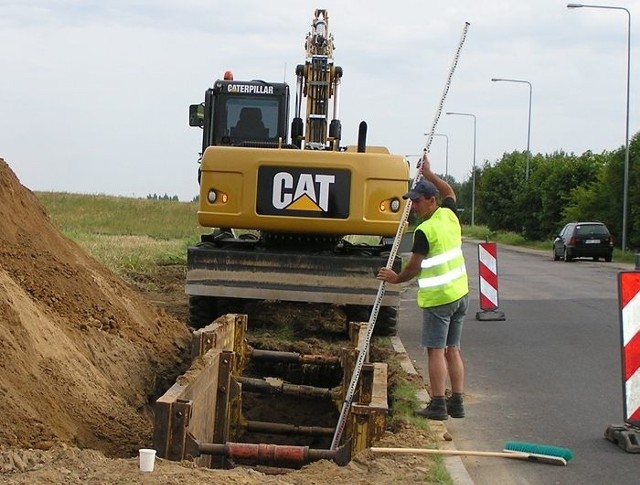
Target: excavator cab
[{"x": 243, "y": 113}]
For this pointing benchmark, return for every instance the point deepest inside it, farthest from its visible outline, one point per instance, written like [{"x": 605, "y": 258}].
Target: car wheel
[
  {"x": 596, "y": 258},
  {"x": 555, "y": 255},
  {"x": 608, "y": 258},
  {"x": 567, "y": 257}
]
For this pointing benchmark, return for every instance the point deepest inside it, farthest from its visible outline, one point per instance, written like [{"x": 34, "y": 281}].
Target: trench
[
  {"x": 314, "y": 388},
  {"x": 270, "y": 397}
]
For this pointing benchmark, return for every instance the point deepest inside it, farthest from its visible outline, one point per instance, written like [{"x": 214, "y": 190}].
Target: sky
[{"x": 94, "y": 95}]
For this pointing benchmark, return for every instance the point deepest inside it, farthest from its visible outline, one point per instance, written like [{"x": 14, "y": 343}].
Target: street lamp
[
  {"x": 526, "y": 173},
  {"x": 625, "y": 190},
  {"x": 446, "y": 162},
  {"x": 473, "y": 172}
]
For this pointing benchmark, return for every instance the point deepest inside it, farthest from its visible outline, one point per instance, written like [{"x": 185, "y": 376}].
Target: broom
[{"x": 552, "y": 455}]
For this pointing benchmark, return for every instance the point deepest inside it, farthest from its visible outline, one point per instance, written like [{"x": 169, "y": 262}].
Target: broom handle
[
  {"x": 518, "y": 455},
  {"x": 429, "y": 451}
]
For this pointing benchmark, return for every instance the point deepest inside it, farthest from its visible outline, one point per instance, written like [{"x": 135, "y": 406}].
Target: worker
[{"x": 437, "y": 260}]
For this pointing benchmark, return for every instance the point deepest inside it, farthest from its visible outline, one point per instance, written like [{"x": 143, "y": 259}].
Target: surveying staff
[{"x": 437, "y": 260}]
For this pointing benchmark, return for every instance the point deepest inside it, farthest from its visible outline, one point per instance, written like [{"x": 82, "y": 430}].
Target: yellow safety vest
[{"x": 443, "y": 277}]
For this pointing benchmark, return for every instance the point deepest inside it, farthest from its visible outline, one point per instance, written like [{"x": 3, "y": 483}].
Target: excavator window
[
  {"x": 252, "y": 118},
  {"x": 233, "y": 119},
  {"x": 250, "y": 125}
]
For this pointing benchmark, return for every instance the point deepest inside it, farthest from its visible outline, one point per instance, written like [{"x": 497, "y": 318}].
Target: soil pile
[{"x": 79, "y": 349}]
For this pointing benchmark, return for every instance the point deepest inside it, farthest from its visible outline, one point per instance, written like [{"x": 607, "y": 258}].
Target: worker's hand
[
  {"x": 426, "y": 166},
  {"x": 388, "y": 275}
]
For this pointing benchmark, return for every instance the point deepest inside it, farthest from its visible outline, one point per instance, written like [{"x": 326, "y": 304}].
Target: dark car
[{"x": 583, "y": 240}]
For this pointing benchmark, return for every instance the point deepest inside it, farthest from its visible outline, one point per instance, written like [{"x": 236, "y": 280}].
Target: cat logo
[
  {"x": 305, "y": 196},
  {"x": 305, "y": 193}
]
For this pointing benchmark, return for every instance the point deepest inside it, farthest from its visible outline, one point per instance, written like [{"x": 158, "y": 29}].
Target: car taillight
[{"x": 572, "y": 241}]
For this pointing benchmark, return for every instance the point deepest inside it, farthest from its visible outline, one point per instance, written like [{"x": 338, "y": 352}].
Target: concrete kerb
[{"x": 453, "y": 464}]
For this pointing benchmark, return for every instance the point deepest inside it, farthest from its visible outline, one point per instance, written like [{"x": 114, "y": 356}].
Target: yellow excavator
[{"x": 299, "y": 219}]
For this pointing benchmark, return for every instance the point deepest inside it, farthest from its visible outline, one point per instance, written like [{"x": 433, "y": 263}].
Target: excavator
[{"x": 293, "y": 219}]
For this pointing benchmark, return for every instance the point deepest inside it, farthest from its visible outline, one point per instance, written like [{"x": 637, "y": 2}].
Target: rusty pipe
[
  {"x": 292, "y": 357},
  {"x": 269, "y": 453},
  {"x": 250, "y": 384},
  {"x": 287, "y": 429}
]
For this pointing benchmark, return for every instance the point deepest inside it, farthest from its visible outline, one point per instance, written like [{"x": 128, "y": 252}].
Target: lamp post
[
  {"x": 446, "y": 159},
  {"x": 526, "y": 173},
  {"x": 473, "y": 172},
  {"x": 625, "y": 189}
]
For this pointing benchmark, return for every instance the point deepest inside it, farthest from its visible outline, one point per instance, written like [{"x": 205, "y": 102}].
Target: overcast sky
[{"x": 94, "y": 95}]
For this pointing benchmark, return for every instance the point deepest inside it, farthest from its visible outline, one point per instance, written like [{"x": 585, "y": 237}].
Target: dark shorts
[{"x": 442, "y": 325}]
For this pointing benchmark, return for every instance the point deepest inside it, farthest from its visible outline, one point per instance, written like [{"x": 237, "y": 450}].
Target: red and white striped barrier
[
  {"x": 629, "y": 293},
  {"x": 627, "y": 436},
  {"x": 488, "y": 276}
]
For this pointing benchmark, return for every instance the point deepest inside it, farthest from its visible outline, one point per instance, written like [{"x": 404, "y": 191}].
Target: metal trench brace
[
  {"x": 200, "y": 417},
  {"x": 268, "y": 454}
]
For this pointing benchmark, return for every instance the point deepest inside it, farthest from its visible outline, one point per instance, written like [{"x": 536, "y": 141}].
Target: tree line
[
  {"x": 561, "y": 187},
  {"x": 162, "y": 197}
]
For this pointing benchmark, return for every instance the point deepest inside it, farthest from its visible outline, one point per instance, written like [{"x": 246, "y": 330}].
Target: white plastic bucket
[{"x": 147, "y": 459}]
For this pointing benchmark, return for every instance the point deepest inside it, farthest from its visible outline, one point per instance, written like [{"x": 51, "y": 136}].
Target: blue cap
[{"x": 423, "y": 187}]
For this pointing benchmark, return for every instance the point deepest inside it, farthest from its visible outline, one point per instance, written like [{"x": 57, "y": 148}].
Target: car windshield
[{"x": 592, "y": 230}]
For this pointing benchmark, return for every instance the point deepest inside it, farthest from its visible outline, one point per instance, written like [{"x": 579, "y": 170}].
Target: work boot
[
  {"x": 437, "y": 409},
  {"x": 455, "y": 405}
]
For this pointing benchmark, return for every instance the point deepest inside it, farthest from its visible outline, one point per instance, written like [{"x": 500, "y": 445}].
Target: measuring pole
[{"x": 362, "y": 351}]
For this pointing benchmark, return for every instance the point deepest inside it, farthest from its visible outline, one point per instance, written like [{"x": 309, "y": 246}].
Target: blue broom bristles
[{"x": 536, "y": 449}]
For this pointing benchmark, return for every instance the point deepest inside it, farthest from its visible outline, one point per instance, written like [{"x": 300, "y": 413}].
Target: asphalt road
[{"x": 549, "y": 374}]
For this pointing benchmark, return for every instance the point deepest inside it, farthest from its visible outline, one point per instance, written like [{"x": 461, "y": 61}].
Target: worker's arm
[
  {"x": 443, "y": 187},
  {"x": 409, "y": 272}
]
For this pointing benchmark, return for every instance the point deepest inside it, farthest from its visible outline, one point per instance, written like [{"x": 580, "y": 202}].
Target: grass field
[{"x": 126, "y": 234}]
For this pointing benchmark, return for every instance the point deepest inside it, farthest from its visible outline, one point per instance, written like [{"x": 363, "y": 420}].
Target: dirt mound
[{"x": 80, "y": 352}]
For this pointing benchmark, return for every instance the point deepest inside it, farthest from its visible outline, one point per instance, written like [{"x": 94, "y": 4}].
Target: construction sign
[
  {"x": 629, "y": 294},
  {"x": 488, "y": 284}
]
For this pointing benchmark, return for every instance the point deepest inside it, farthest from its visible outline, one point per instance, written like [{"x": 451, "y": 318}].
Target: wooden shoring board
[
  {"x": 369, "y": 410},
  {"x": 379, "y": 394},
  {"x": 204, "y": 394},
  {"x": 222, "y": 412},
  {"x": 365, "y": 385},
  {"x": 227, "y": 332},
  {"x": 358, "y": 334},
  {"x": 368, "y": 421},
  {"x": 162, "y": 419},
  {"x": 195, "y": 402},
  {"x": 188, "y": 406}
]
